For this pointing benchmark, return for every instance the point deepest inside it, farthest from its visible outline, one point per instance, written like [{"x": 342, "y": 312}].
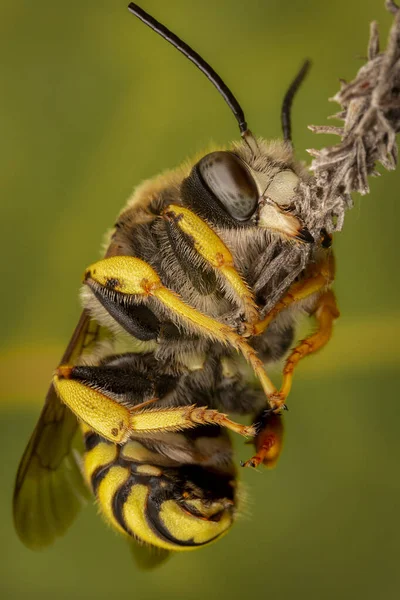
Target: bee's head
[
  {"x": 235, "y": 188},
  {"x": 179, "y": 508},
  {"x": 223, "y": 185}
]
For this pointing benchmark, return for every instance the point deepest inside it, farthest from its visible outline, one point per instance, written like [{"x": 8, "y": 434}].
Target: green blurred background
[{"x": 92, "y": 103}]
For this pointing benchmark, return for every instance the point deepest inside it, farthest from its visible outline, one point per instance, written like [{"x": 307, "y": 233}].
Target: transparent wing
[
  {"x": 146, "y": 557},
  {"x": 49, "y": 489}
]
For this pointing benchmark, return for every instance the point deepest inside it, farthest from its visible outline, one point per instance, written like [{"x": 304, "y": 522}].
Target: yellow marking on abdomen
[
  {"x": 149, "y": 470},
  {"x": 134, "y": 511},
  {"x": 179, "y": 523},
  {"x": 184, "y": 526},
  {"x": 113, "y": 480},
  {"x": 100, "y": 456},
  {"x": 85, "y": 428},
  {"x": 135, "y": 451}
]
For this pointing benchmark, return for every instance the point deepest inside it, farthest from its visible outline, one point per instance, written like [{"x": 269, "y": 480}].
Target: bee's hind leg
[
  {"x": 115, "y": 406},
  {"x": 185, "y": 417},
  {"x": 95, "y": 396}
]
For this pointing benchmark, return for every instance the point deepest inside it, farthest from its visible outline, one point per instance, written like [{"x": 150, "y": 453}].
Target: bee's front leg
[
  {"x": 268, "y": 440},
  {"x": 315, "y": 283},
  {"x": 326, "y": 311}
]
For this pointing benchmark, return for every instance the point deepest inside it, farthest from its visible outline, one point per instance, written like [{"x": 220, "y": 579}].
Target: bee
[{"x": 204, "y": 273}]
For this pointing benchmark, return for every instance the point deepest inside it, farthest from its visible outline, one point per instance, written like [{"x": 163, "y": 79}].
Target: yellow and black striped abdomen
[{"x": 174, "y": 507}]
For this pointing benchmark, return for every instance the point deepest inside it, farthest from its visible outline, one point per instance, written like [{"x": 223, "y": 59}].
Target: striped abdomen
[{"x": 155, "y": 499}]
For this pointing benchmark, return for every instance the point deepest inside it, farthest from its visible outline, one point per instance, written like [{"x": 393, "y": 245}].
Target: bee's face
[{"x": 243, "y": 188}]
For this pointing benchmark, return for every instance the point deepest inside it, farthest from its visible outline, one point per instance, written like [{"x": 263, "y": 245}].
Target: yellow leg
[
  {"x": 268, "y": 440},
  {"x": 213, "y": 250},
  {"x": 185, "y": 417},
  {"x": 326, "y": 312},
  {"x": 103, "y": 414},
  {"x": 319, "y": 278},
  {"x": 132, "y": 276},
  {"x": 117, "y": 422}
]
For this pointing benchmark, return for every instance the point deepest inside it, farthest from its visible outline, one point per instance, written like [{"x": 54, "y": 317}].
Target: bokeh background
[{"x": 92, "y": 103}]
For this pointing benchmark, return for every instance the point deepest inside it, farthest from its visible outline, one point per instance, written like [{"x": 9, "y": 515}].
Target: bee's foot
[
  {"x": 268, "y": 412},
  {"x": 277, "y": 404},
  {"x": 252, "y": 462}
]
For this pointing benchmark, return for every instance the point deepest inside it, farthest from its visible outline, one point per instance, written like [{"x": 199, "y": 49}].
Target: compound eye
[{"x": 230, "y": 181}]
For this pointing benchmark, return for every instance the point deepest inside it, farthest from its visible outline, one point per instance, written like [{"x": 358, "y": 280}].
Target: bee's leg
[
  {"x": 126, "y": 276},
  {"x": 106, "y": 414},
  {"x": 268, "y": 440},
  {"x": 325, "y": 313},
  {"x": 214, "y": 252},
  {"x": 185, "y": 417},
  {"x": 117, "y": 421},
  {"x": 319, "y": 279}
]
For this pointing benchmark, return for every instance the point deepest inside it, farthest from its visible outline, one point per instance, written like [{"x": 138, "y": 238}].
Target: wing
[
  {"x": 146, "y": 557},
  {"x": 49, "y": 489}
]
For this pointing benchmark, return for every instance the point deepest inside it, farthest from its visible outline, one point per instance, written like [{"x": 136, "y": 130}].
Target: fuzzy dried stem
[{"x": 370, "y": 109}]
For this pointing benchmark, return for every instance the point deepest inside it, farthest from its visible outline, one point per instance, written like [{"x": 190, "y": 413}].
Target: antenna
[
  {"x": 200, "y": 64},
  {"x": 288, "y": 101}
]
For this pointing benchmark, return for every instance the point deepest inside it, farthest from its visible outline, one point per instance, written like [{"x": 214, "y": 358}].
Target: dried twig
[{"x": 371, "y": 114}]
